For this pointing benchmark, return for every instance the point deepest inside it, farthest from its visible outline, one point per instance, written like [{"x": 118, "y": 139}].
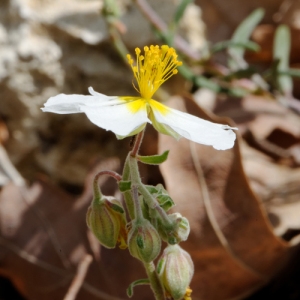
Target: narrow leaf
[
  {"x": 165, "y": 201},
  {"x": 154, "y": 159},
  {"x": 117, "y": 208},
  {"x": 162, "y": 196},
  {"x": 242, "y": 35},
  {"x": 202, "y": 81},
  {"x": 248, "y": 45},
  {"x": 180, "y": 10},
  {"x": 290, "y": 72},
  {"x": 135, "y": 283},
  {"x": 281, "y": 52},
  {"x": 151, "y": 189},
  {"x": 124, "y": 186}
]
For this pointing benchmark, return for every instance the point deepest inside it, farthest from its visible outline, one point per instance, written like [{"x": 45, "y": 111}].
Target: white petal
[
  {"x": 68, "y": 104},
  {"x": 117, "y": 118},
  {"x": 221, "y": 137}
]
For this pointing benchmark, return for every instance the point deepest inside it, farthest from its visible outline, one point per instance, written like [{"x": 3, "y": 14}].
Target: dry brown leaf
[
  {"x": 263, "y": 35},
  {"x": 44, "y": 237},
  {"x": 232, "y": 243},
  {"x": 266, "y": 125}
]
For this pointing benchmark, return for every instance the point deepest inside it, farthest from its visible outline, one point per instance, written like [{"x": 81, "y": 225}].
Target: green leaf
[
  {"x": 124, "y": 186},
  {"x": 202, "y": 81},
  {"x": 248, "y": 45},
  {"x": 180, "y": 10},
  {"x": 242, "y": 35},
  {"x": 135, "y": 283},
  {"x": 152, "y": 189},
  {"x": 186, "y": 72},
  {"x": 117, "y": 208},
  {"x": 161, "y": 195},
  {"x": 154, "y": 159},
  {"x": 281, "y": 52},
  {"x": 290, "y": 72},
  {"x": 165, "y": 201},
  {"x": 238, "y": 92}
]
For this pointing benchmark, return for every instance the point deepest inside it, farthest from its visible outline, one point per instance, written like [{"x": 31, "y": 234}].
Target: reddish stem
[{"x": 137, "y": 144}]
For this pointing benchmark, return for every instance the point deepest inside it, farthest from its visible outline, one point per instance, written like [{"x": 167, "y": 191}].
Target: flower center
[{"x": 153, "y": 68}]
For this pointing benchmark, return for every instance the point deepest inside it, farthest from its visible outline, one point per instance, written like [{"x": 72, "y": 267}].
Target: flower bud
[
  {"x": 144, "y": 242},
  {"x": 105, "y": 217},
  {"x": 175, "y": 270},
  {"x": 179, "y": 232},
  {"x": 182, "y": 229}
]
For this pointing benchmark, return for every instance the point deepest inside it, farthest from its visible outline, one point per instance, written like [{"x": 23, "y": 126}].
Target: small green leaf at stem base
[
  {"x": 153, "y": 159},
  {"x": 124, "y": 186},
  {"x": 135, "y": 283},
  {"x": 161, "y": 195}
]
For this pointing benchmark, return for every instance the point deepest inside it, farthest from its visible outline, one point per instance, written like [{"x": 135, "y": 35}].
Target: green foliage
[
  {"x": 180, "y": 10},
  {"x": 154, "y": 159},
  {"x": 134, "y": 284},
  {"x": 124, "y": 186},
  {"x": 241, "y": 36},
  {"x": 162, "y": 196},
  {"x": 281, "y": 53}
]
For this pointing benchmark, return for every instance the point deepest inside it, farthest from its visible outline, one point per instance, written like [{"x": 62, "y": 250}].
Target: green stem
[
  {"x": 127, "y": 195},
  {"x": 154, "y": 281},
  {"x": 137, "y": 205},
  {"x": 151, "y": 202},
  {"x": 97, "y": 190}
]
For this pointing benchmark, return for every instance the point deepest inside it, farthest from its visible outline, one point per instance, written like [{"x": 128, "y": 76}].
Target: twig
[
  {"x": 8, "y": 168},
  {"x": 79, "y": 277},
  {"x": 63, "y": 274},
  {"x": 160, "y": 25}
]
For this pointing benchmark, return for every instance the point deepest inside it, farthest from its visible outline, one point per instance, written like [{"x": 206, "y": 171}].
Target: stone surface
[{"x": 49, "y": 47}]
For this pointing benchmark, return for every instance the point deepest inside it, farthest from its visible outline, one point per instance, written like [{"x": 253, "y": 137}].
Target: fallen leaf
[
  {"x": 232, "y": 243},
  {"x": 44, "y": 237}
]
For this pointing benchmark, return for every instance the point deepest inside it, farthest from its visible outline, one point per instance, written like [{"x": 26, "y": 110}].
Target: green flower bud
[
  {"x": 175, "y": 270},
  {"x": 105, "y": 217},
  {"x": 182, "y": 229},
  {"x": 144, "y": 242},
  {"x": 178, "y": 233}
]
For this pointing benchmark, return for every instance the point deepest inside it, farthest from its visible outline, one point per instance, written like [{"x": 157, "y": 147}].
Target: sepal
[
  {"x": 175, "y": 270},
  {"x": 144, "y": 242},
  {"x": 106, "y": 219}
]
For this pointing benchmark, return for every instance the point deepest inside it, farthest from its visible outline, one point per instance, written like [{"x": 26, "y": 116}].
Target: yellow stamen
[
  {"x": 188, "y": 294},
  {"x": 153, "y": 68}
]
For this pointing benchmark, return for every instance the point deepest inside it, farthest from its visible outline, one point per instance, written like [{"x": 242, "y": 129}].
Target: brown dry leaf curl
[
  {"x": 232, "y": 243},
  {"x": 44, "y": 237}
]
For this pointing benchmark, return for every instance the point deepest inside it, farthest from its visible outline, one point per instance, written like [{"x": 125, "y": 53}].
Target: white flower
[{"x": 126, "y": 116}]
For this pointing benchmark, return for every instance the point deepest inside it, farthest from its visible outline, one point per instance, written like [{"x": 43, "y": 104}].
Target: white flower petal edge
[
  {"x": 70, "y": 104},
  {"x": 221, "y": 137},
  {"x": 110, "y": 113},
  {"x": 117, "y": 118}
]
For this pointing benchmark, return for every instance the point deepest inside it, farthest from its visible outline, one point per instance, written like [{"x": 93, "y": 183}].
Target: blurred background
[{"x": 240, "y": 67}]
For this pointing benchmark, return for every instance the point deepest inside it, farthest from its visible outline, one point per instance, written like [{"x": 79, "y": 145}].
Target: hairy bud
[
  {"x": 175, "y": 270},
  {"x": 105, "y": 217},
  {"x": 179, "y": 232},
  {"x": 144, "y": 242}
]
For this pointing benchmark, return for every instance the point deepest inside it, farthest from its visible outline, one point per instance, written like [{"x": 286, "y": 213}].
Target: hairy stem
[
  {"x": 137, "y": 143},
  {"x": 127, "y": 194},
  {"x": 154, "y": 281}
]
